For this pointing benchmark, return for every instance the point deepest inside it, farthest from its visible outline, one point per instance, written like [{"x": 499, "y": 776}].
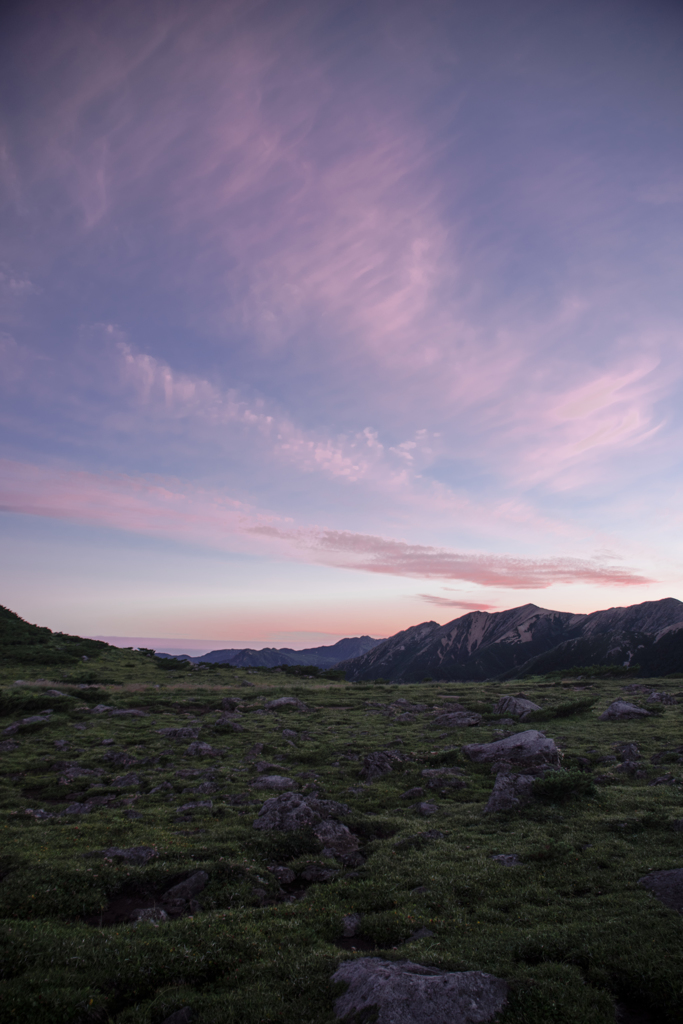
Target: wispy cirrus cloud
[{"x": 466, "y": 606}]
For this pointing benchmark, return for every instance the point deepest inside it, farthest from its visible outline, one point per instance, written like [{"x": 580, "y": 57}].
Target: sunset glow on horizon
[{"x": 322, "y": 320}]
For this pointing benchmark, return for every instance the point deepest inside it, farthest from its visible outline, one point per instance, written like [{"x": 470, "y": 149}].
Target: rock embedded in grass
[
  {"x": 509, "y": 705},
  {"x": 621, "y": 710},
  {"x": 273, "y": 782},
  {"x": 510, "y": 792},
  {"x": 402, "y": 992},
  {"x": 524, "y": 748}
]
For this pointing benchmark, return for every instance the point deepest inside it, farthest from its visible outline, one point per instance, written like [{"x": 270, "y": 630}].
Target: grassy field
[{"x": 567, "y": 924}]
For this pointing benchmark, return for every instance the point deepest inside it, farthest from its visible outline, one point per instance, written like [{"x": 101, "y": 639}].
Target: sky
[{"x": 324, "y": 319}]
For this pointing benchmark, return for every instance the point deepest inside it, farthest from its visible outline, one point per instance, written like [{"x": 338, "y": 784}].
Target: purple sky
[{"x": 326, "y": 318}]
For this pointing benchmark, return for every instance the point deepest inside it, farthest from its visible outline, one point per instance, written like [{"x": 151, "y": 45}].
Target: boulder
[
  {"x": 200, "y": 749},
  {"x": 621, "y": 710},
  {"x": 514, "y": 706},
  {"x": 509, "y": 792},
  {"x": 273, "y": 782},
  {"x": 456, "y": 720},
  {"x": 185, "y": 732},
  {"x": 337, "y": 840},
  {"x": 628, "y": 752},
  {"x": 131, "y": 854},
  {"x": 180, "y": 899},
  {"x": 351, "y": 925},
  {"x": 317, "y": 873},
  {"x": 524, "y": 748},
  {"x": 229, "y": 704},
  {"x": 402, "y": 992},
  {"x": 286, "y": 813},
  {"x": 283, "y": 702},
  {"x": 284, "y": 875},
  {"x": 666, "y": 886},
  {"x": 379, "y": 763}
]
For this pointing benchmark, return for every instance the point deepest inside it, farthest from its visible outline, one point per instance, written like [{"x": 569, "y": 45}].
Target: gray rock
[
  {"x": 456, "y": 720},
  {"x": 421, "y": 933},
  {"x": 509, "y": 792},
  {"x": 289, "y": 734},
  {"x": 183, "y": 1016},
  {"x": 666, "y": 886},
  {"x": 197, "y": 805},
  {"x": 284, "y": 875},
  {"x": 7, "y": 746},
  {"x": 99, "y": 709},
  {"x": 621, "y": 710},
  {"x": 337, "y": 840},
  {"x": 55, "y": 693},
  {"x": 287, "y": 813},
  {"x": 351, "y": 925},
  {"x": 661, "y": 698},
  {"x": 229, "y": 704},
  {"x": 379, "y": 763},
  {"x": 63, "y": 744},
  {"x": 317, "y": 873},
  {"x": 283, "y": 702},
  {"x": 131, "y": 854},
  {"x": 151, "y": 915},
  {"x": 628, "y": 752},
  {"x": 180, "y": 898},
  {"x": 105, "y": 743},
  {"x": 273, "y": 782},
  {"x": 200, "y": 749},
  {"x": 186, "y": 732},
  {"x": 514, "y": 706},
  {"x": 126, "y": 781},
  {"x": 402, "y": 992},
  {"x": 426, "y": 808},
  {"x": 38, "y": 813},
  {"x": 129, "y": 712},
  {"x": 413, "y": 794},
  {"x": 443, "y": 778},
  {"x": 525, "y": 748}
]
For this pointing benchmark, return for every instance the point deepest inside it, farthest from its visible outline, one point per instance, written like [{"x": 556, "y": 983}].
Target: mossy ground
[{"x": 569, "y": 926}]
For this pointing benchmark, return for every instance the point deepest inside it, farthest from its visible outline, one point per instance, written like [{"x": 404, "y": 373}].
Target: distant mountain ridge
[
  {"x": 529, "y": 640},
  {"x": 270, "y": 657}
]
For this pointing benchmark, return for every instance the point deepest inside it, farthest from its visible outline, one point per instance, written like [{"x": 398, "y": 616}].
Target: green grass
[{"x": 568, "y": 926}]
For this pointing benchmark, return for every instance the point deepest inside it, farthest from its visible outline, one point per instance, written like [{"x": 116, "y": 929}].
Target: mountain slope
[
  {"x": 24, "y": 644},
  {"x": 483, "y": 645},
  {"x": 270, "y": 657}
]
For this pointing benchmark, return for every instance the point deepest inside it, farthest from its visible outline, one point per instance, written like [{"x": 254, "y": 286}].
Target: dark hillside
[{"x": 22, "y": 643}]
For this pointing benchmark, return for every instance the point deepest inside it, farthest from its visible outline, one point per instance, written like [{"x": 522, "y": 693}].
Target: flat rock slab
[
  {"x": 527, "y": 748},
  {"x": 621, "y": 710},
  {"x": 402, "y": 992},
  {"x": 667, "y": 886},
  {"x": 456, "y": 720}
]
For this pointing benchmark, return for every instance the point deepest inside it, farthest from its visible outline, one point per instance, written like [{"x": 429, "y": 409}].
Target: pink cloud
[{"x": 467, "y": 606}]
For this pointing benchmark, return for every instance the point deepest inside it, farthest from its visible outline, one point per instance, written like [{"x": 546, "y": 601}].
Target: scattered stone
[
  {"x": 412, "y": 794},
  {"x": 105, "y": 743},
  {"x": 273, "y": 782},
  {"x": 183, "y": 1016},
  {"x": 621, "y": 710},
  {"x": 289, "y": 734},
  {"x": 229, "y": 704},
  {"x": 444, "y": 779},
  {"x": 421, "y": 933},
  {"x": 99, "y": 709},
  {"x": 283, "y": 702},
  {"x": 181, "y": 898},
  {"x": 525, "y": 748},
  {"x": 632, "y": 769},
  {"x": 402, "y": 992},
  {"x": 661, "y": 698},
  {"x": 514, "y": 706},
  {"x": 316, "y": 873},
  {"x": 54, "y": 693},
  {"x": 426, "y": 808},
  {"x": 131, "y": 854},
  {"x": 199, "y": 805},
  {"x": 337, "y": 840},
  {"x": 456, "y": 720},
  {"x": 150, "y": 915},
  {"x": 666, "y": 886},
  {"x": 160, "y": 788},
  {"x": 62, "y": 744},
  {"x": 126, "y": 781},
  {"x": 7, "y": 746},
  {"x": 406, "y": 717},
  {"x": 119, "y": 758},
  {"x": 129, "y": 713},
  {"x": 509, "y": 792},
  {"x": 254, "y": 752},
  {"x": 628, "y": 752},
  {"x": 38, "y": 813},
  {"x": 379, "y": 763},
  {"x": 185, "y": 732},
  {"x": 508, "y": 860},
  {"x": 351, "y": 925},
  {"x": 284, "y": 875},
  {"x": 264, "y": 766},
  {"x": 200, "y": 749},
  {"x": 665, "y": 780},
  {"x": 291, "y": 811}
]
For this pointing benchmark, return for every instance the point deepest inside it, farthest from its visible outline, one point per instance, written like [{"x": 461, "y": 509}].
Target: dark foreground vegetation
[{"x": 135, "y": 885}]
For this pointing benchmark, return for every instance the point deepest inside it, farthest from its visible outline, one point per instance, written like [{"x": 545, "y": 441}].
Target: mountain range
[
  {"x": 529, "y": 640},
  {"x": 270, "y": 657}
]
